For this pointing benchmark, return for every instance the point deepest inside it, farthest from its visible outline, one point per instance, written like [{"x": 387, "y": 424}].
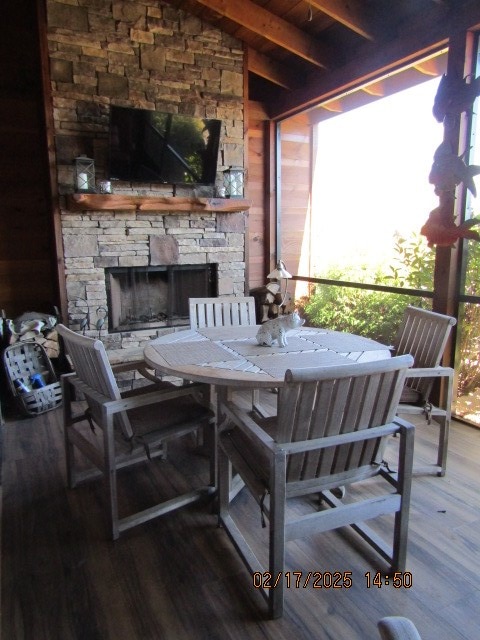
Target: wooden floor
[{"x": 179, "y": 578}]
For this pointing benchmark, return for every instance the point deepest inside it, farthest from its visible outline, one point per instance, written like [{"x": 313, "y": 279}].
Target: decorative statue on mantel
[{"x": 276, "y": 329}]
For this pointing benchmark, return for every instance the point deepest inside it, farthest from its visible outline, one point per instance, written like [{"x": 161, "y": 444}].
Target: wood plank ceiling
[{"x": 294, "y": 47}]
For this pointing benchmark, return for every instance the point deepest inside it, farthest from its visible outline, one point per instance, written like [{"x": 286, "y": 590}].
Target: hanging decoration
[
  {"x": 442, "y": 231},
  {"x": 449, "y": 170},
  {"x": 454, "y": 96}
]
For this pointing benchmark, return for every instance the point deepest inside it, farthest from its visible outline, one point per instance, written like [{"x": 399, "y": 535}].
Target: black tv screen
[{"x": 150, "y": 146}]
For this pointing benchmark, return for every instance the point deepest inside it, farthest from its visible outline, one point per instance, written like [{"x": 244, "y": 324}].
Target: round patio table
[{"x": 231, "y": 356}]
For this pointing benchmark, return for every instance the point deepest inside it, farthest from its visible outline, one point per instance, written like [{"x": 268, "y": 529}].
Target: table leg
[{"x": 236, "y": 484}]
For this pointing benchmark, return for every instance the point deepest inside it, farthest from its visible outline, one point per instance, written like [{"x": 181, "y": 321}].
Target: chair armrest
[
  {"x": 144, "y": 398},
  {"x": 135, "y": 365},
  {"x": 429, "y": 372},
  {"x": 249, "y": 427},
  {"x": 122, "y": 367},
  {"x": 151, "y": 397},
  {"x": 68, "y": 376},
  {"x": 344, "y": 438},
  {"x": 403, "y": 423}
]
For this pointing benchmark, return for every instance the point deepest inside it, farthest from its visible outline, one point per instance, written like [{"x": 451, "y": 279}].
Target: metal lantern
[
  {"x": 280, "y": 273},
  {"x": 84, "y": 175},
  {"x": 233, "y": 179}
]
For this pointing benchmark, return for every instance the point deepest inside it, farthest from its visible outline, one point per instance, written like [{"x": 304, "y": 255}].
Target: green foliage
[
  {"x": 413, "y": 263},
  {"x": 468, "y": 352},
  {"x": 375, "y": 314},
  {"x": 468, "y": 355}
]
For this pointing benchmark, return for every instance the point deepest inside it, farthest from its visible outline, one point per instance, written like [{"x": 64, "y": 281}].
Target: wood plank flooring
[{"x": 178, "y": 577}]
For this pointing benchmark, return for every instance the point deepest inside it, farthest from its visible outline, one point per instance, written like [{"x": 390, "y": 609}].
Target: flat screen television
[{"x": 150, "y": 146}]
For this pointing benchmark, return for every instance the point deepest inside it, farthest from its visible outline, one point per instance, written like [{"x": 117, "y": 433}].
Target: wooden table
[{"x": 231, "y": 357}]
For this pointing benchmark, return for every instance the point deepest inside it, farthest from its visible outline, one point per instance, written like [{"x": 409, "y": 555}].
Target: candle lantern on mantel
[
  {"x": 233, "y": 179},
  {"x": 84, "y": 175}
]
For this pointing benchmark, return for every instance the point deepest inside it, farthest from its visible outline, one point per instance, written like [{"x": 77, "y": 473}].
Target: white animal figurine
[{"x": 277, "y": 328}]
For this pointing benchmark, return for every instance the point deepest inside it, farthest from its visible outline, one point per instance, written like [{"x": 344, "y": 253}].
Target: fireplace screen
[{"x": 149, "y": 297}]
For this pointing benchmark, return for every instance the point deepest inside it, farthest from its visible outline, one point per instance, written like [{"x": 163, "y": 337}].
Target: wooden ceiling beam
[
  {"x": 266, "y": 68},
  {"x": 266, "y": 24},
  {"x": 350, "y": 13},
  {"x": 425, "y": 37},
  {"x": 387, "y": 86},
  {"x": 429, "y": 67}
]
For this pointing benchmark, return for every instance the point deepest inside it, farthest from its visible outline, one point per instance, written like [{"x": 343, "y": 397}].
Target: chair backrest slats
[
  {"x": 228, "y": 311},
  {"x": 424, "y": 335},
  {"x": 90, "y": 362},
  {"x": 316, "y": 403}
]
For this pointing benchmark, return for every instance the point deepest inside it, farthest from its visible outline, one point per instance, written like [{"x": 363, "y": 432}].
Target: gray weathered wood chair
[
  {"x": 424, "y": 335},
  {"x": 330, "y": 431},
  {"x": 227, "y": 311},
  {"x": 397, "y": 628},
  {"x": 135, "y": 425}
]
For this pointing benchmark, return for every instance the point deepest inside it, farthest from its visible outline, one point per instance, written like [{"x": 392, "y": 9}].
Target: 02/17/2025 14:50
[{"x": 398, "y": 579}]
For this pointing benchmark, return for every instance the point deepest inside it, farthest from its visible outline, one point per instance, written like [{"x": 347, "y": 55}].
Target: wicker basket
[{"x": 23, "y": 360}]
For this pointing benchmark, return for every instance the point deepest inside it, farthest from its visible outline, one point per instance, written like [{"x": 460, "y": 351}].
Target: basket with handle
[{"x": 31, "y": 378}]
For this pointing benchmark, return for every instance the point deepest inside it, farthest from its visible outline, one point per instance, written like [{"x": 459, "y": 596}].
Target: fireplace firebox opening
[{"x": 150, "y": 297}]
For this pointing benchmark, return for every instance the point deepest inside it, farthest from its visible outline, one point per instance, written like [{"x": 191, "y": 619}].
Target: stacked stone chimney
[{"x": 144, "y": 54}]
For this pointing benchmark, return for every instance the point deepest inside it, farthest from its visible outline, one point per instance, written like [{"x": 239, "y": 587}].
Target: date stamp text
[{"x": 329, "y": 579}]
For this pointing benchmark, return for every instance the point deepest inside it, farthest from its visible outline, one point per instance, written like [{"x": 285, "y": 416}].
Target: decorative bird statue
[
  {"x": 449, "y": 170},
  {"x": 101, "y": 320},
  {"x": 444, "y": 232},
  {"x": 454, "y": 95},
  {"x": 84, "y": 324}
]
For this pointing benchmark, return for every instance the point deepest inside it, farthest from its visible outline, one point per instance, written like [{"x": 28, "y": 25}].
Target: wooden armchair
[
  {"x": 330, "y": 431},
  {"x": 228, "y": 311},
  {"x": 424, "y": 335},
  {"x": 134, "y": 425}
]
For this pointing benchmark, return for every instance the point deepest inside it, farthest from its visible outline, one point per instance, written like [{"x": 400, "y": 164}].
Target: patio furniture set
[{"x": 338, "y": 404}]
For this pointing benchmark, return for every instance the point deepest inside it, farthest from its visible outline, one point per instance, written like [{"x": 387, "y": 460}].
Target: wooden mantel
[{"x": 164, "y": 204}]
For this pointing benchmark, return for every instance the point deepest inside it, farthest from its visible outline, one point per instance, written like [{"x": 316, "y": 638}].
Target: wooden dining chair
[
  {"x": 424, "y": 335},
  {"x": 134, "y": 426},
  {"x": 331, "y": 429},
  {"x": 227, "y": 311}
]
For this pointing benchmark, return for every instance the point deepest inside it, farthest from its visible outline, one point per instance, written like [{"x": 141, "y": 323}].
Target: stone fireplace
[
  {"x": 146, "y": 55},
  {"x": 154, "y": 297},
  {"x": 167, "y": 256}
]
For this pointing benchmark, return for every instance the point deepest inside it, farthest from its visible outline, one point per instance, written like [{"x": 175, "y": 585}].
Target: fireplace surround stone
[{"x": 98, "y": 240}]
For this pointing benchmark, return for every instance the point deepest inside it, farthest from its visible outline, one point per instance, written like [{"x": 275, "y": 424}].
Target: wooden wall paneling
[
  {"x": 295, "y": 237},
  {"x": 246, "y": 140},
  {"x": 256, "y": 185},
  {"x": 26, "y": 276},
  {"x": 51, "y": 183},
  {"x": 270, "y": 195}
]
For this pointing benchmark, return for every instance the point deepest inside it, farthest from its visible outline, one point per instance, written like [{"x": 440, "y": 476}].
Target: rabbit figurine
[{"x": 277, "y": 328}]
